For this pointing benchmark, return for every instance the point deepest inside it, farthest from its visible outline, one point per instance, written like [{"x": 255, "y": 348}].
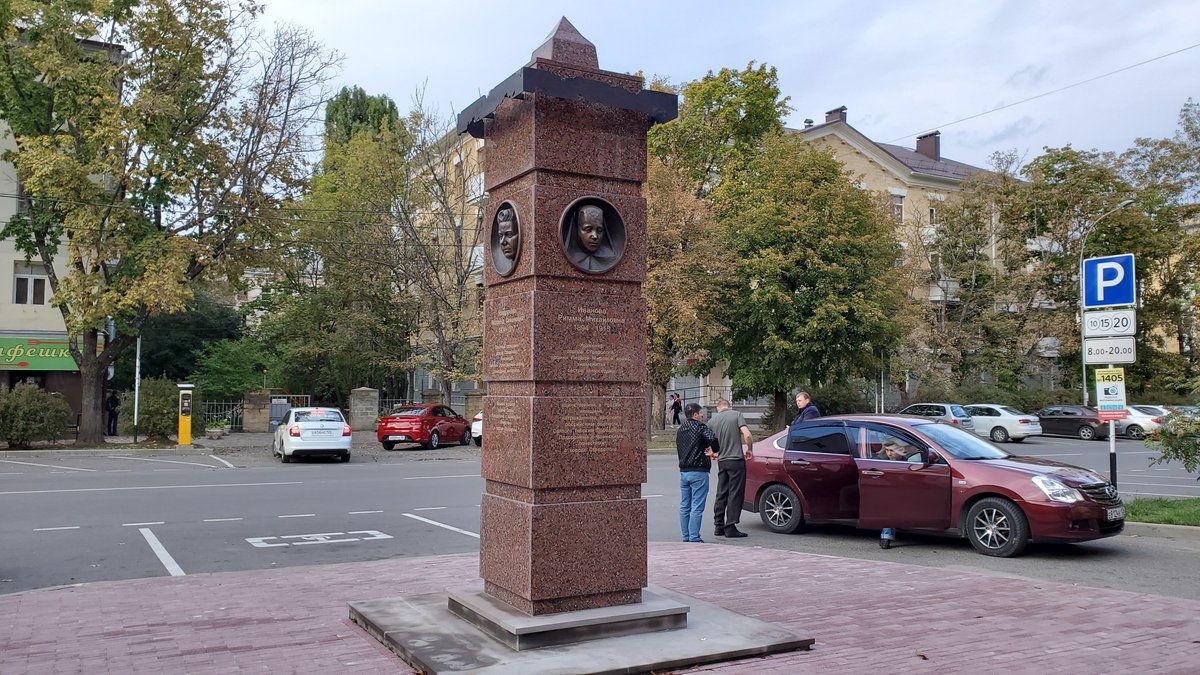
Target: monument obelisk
[{"x": 564, "y": 456}]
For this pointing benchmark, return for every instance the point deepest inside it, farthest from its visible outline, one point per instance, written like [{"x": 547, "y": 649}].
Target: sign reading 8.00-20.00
[{"x": 1112, "y": 350}]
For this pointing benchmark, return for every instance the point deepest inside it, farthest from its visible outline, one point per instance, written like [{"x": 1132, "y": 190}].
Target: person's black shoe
[
  {"x": 885, "y": 544},
  {"x": 731, "y": 532},
  {"x": 719, "y": 532}
]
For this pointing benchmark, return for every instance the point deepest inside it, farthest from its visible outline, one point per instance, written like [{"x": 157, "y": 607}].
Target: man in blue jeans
[{"x": 697, "y": 447}]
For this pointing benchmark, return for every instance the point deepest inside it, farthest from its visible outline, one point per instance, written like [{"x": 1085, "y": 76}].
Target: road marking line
[
  {"x": 1160, "y": 494},
  {"x": 465, "y": 475},
  {"x": 223, "y": 461},
  {"x": 1071, "y": 454},
  {"x": 118, "y": 471},
  {"x": 430, "y": 508},
  {"x": 51, "y": 529},
  {"x": 1124, "y": 483},
  {"x": 298, "y": 515},
  {"x": 649, "y": 496},
  {"x": 147, "y": 487},
  {"x": 359, "y": 513},
  {"x": 441, "y": 525},
  {"x": 13, "y": 473},
  {"x": 165, "y": 558},
  {"x": 47, "y": 466},
  {"x": 156, "y": 522},
  {"x": 220, "y": 520},
  {"x": 167, "y": 461}
]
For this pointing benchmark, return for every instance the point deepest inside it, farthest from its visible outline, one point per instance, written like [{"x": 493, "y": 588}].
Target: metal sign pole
[
  {"x": 137, "y": 386},
  {"x": 1112, "y": 449}
]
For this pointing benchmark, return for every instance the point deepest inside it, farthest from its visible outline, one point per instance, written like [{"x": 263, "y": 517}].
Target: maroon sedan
[
  {"x": 430, "y": 425},
  {"x": 877, "y": 471}
]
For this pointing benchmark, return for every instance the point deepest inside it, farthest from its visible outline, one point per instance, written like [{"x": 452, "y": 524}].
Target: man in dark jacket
[
  {"x": 697, "y": 446},
  {"x": 112, "y": 404},
  {"x": 807, "y": 409}
]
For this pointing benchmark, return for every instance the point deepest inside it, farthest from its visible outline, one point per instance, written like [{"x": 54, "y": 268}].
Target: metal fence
[
  {"x": 227, "y": 412},
  {"x": 386, "y": 405}
]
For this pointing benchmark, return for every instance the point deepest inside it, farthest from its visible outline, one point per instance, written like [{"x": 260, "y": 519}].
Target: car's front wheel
[
  {"x": 466, "y": 437},
  {"x": 997, "y": 527},
  {"x": 1087, "y": 433},
  {"x": 1135, "y": 432},
  {"x": 999, "y": 435},
  {"x": 780, "y": 509},
  {"x": 434, "y": 441}
]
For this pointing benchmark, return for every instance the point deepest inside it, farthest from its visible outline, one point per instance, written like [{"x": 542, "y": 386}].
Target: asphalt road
[{"x": 75, "y": 517}]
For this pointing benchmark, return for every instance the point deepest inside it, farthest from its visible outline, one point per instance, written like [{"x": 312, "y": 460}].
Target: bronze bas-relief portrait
[
  {"x": 506, "y": 239},
  {"x": 593, "y": 235}
]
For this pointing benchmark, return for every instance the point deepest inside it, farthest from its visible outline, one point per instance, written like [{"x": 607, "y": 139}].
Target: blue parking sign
[{"x": 1109, "y": 281}]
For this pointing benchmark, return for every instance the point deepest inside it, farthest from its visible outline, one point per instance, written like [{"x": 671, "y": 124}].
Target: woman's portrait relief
[
  {"x": 593, "y": 235},
  {"x": 506, "y": 239}
]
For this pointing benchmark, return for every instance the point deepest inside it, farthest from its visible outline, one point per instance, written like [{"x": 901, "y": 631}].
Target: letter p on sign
[{"x": 1109, "y": 281}]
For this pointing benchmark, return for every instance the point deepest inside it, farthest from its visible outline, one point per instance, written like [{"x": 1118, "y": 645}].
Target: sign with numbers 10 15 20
[{"x": 1110, "y": 323}]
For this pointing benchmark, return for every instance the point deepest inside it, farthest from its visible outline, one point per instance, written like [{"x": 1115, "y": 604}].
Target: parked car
[
  {"x": 951, "y": 482},
  {"x": 477, "y": 428},
  {"x": 1141, "y": 420},
  {"x": 950, "y": 413},
  {"x": 1072, "y": 420},
  {"x": 1002, "y": 423},
  {"x": 312, "y": 432},
  {"x": 431, "y": 425}
]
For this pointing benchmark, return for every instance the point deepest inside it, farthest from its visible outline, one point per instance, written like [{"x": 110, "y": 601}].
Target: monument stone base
[{"x": 468, "y": 632}]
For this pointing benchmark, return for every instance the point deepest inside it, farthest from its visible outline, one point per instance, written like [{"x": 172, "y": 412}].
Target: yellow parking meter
[{"x": 185, "y": 413}]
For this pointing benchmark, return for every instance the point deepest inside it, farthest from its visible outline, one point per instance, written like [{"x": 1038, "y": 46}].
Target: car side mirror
[{"x": 931, "y": 457}]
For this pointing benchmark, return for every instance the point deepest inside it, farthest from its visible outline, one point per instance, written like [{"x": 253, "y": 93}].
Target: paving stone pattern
[{"x": 867, "y": 616}]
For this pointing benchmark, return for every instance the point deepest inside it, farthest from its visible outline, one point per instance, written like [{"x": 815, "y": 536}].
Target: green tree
[
  {"x": 228, "y": 369},
  {"x": 352, "y": 111},
  {"x": 172, "y": 343},
  {"x": 811, "y": 296},
  {"x": 145, "y": 165},
  {"x": 721, "y": 120}
]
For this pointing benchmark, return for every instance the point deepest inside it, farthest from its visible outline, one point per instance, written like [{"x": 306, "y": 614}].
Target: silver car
[
  {"x": 312, "y": 432},
  {"x": 1141, "y": 420},
  {"x": 950, "y": 413},
  {"x": 1001, "y": 423}
]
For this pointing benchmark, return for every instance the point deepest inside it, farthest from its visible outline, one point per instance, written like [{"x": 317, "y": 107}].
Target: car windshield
[
  {"x": 318, "y": 416},
  {"x": 408, "y": 412},
  {"x": 961, "y": 444},
  {"x": 1011, "y": 411}
]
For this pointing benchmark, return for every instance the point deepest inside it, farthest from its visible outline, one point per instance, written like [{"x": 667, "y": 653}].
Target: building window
[
  {"x": 898, "y": 207},
  {"x": 30, "y": 284},
  {"x": 933, "y": 215}
]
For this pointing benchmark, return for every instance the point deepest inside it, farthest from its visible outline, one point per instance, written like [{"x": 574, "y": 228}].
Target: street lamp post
[{"x": 1082, "y": 342}]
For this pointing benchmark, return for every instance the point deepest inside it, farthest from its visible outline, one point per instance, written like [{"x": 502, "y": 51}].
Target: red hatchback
[
  {"x": 876, "y": 472},
  {"x": 431, "y": 425}
]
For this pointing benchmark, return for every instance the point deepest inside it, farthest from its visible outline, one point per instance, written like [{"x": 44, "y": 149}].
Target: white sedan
[
  {"x": 1001, "y": 423},
  {"x": 477, "y": 428},
  {"x": 312, "y": 432},
  {"x": 1141, "y": 420}
]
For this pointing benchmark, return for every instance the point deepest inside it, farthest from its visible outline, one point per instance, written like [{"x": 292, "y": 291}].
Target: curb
[{"x": 1182, "y": 532}]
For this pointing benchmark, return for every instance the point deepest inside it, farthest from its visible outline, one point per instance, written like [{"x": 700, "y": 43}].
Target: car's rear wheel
[
  {"x": 999, "y": 434},
  {"x": 345, "y": 457},
  {"x": 388, "y": 445},
  {"x": 1087, "y": 433},
  {"x": 479, "y": 440},
  {"x": 779, "y": 508},
  {"x": 434, "y": 441},
  {"x": 1135, "y": 432},
  {"x": 284, "y": 457},
  {"x": 997, "y": 527}
]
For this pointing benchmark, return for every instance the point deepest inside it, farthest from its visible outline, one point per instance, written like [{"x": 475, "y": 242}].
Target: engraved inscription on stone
[
  {"x": 503, "y": 416},
  {"x": 506, "y": 350},
  {"x": 587, "y": 432},
  {"x": 594, "y": 343}
]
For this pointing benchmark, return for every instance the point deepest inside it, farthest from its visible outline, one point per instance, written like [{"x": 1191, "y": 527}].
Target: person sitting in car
[{"x": 894, "y": 451}]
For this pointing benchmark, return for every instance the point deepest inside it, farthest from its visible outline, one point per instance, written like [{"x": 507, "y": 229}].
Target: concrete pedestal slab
[{"x": 424, "y": 632}]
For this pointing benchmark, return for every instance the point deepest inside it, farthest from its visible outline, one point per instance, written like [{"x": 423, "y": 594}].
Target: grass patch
[{"x": 1165, "y": 511}]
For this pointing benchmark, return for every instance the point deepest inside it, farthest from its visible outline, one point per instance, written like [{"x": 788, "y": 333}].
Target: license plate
[
  {"x": 1115, "y": 513},
  {"x": 397, "y": 438},
  {"x": 321, "y": 432}
]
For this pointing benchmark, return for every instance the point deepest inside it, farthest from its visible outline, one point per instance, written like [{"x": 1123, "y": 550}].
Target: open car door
[{"x": 902, "y": 488}]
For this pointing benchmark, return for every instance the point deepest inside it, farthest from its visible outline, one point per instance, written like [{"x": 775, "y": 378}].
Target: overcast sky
[{"x": 901, "y": 68}]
